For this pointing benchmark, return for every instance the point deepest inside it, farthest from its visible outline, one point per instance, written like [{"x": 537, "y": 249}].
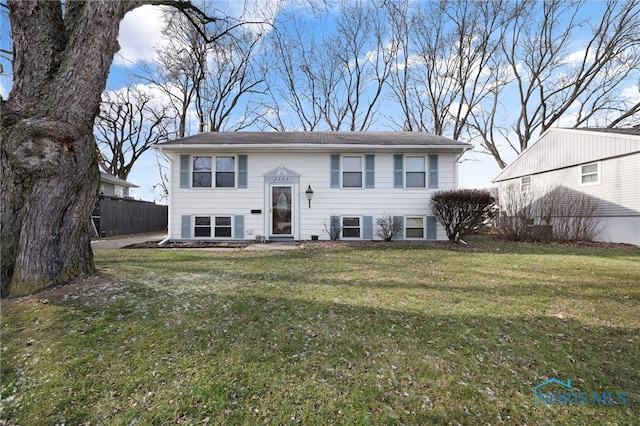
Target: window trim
[
  {"x": 526, "y": 187},
  {"x": 214, "y": 183},
  {"x": 423, "y": 172},
  {"x": 213, "y": 171},
  {"x": 406, "y": 227},
  {"x": 343, "y": 171},
  {"x": 359, "y": 227},
  {"x": 597, "y": 173},
  {"x": 213, "y": 226},
  {"x": 216, "y": 226},
  {"x": 197, "y": 226},
  {"x": 193, "y": 171}
]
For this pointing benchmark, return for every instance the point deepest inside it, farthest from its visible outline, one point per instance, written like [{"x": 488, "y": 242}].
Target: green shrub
[{"x": 461, "y": 211}]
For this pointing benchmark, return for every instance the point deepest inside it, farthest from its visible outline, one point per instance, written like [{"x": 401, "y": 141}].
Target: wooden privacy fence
[{"x": 122, "y": 216}]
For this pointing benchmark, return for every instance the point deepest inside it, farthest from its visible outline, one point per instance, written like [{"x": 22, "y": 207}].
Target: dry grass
[{"x": 378, "y": 334}]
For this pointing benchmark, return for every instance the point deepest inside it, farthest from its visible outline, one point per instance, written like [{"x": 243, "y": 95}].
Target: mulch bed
[
  {"x": 188, "y": 244},
  {"x": 471, "y": 247}
]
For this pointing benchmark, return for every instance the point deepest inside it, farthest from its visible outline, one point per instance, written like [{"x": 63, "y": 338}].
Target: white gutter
[{"x": 306, "y": 147}]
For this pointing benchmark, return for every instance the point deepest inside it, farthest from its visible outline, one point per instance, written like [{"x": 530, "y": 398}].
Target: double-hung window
[
  {"x": 590, "y": 174},
  {"x": 525, "y": 184},
  {"x": 223, "y": 227},
  {"x": 416, "y": 172},
  {"x": 225, "y": 172},
  {"x": 206, "y": 171},
  {"x": 352, "y": 172},
  {"x": 202, "y": 227},
  {"x": 202, "y": 172},
  {"x": 351, "y": 227},
  {"x": 414, "y": 227}
]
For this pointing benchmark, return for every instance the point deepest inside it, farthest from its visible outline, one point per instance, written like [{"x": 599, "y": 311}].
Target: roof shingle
[{"x": 317, "y": 138}]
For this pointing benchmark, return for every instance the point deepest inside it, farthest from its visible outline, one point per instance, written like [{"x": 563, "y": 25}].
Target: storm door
[{"x": 281, "y": 217}]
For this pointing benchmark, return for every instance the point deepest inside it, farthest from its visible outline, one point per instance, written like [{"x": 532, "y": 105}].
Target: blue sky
[
  {"x": 140, "y": 32},
  {"x": 140, "y": 35}
]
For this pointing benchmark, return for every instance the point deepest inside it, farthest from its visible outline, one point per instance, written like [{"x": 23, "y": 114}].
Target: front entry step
[{"x": 281, "y": 239}]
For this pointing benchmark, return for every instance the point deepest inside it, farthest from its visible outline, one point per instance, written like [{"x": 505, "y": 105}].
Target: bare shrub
[
  {"x": 389, "y": 226},
  {"x": 573, "y": 215},
  {"x": 515, "y": 213},
  {"x": 558, "y": 214},
  {"x": 333, "y": 228}
]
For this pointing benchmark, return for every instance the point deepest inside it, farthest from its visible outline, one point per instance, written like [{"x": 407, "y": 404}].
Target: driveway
[
  {"x": 117, "y": 243},
  {"x": 113, "y": 243}
]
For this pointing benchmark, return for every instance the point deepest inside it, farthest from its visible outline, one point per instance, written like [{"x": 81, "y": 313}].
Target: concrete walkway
[{"x": 118, "y": 243}]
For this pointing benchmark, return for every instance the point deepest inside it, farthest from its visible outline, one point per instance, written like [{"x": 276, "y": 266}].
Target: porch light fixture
[{"x": 309, "y": 193}]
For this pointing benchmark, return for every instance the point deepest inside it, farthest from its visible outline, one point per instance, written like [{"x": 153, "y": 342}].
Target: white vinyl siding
[
  {"x": 565, "y": 148},
  {"x": 617, "y": 193},
  {"x": 314, "y": 170}
]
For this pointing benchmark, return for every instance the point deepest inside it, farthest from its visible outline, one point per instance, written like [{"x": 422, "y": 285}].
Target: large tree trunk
[{"x": 48, "y": 158}]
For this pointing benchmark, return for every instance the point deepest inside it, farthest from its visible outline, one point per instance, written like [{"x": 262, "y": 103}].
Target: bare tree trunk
[
  {"x": 47, "y": 204},
  {"x": 48, "y": 153}
]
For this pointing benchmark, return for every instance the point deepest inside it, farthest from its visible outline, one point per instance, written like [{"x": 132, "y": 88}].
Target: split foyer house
[
  {"x": 603, "y": 164},
  {"x": 296, "y": 185}
]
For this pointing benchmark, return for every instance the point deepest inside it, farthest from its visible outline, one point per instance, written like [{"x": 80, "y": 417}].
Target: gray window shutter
[
  {"x": 433, "y": 171},
  {"x": 370, "y": 171},
  {"x": 400, "y": 234},
  {"x": 335, "y": 171},
  {"x": 367, "y": 227},
  {"x": 184, "y": 171},
  {"x": 185, "y": 231},
  {"x": 238, "y": 226},
  {"x": 334, "y": 228},
  {"x": 398, "y": 172},
  {"x": 432, "y": 233},
  {"x": 242, "y": 171}
]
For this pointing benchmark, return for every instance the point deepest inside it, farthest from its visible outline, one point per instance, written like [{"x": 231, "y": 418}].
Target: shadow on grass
[{"x": 131, "y": 350}]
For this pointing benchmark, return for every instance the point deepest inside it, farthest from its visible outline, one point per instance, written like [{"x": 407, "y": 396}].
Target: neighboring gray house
[
  {"x": 112, "y": 186},
  {"x": 602, "y": 163},
  {"x": 297, "y": 185}
]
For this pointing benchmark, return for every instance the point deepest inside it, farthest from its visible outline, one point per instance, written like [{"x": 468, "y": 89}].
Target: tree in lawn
[
  {"x": 62, "y": 52},
  {"x": 129, "y": 123},
  {"x": 462, "y": 210}
]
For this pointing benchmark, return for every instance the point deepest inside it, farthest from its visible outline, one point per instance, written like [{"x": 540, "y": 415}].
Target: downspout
[
  {"x": 462, "y": 152},
  {"x": 169, "y": 203}
]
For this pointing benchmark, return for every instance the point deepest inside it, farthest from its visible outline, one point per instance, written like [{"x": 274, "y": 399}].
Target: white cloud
[
  {"x": 631, "y": 94},
  {"x": 140, "y": 34},
  {"x": 141, "y": 29},
  {"x": 5, "y": 86}
]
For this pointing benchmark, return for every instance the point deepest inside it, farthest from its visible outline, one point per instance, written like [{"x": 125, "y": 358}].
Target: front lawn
[{"x": 380, "y": 334}]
